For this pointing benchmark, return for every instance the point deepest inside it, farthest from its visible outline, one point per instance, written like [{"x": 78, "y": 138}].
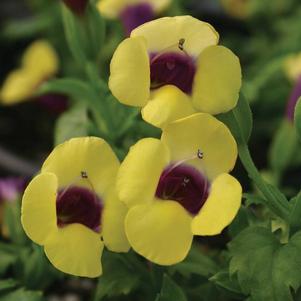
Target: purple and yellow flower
[
  {"x": 132, "y": 13},
  {"x": 178, "y": 187},
  {"x": 71, "y": 207},
  {"x": 292, "y": 68},
  {"x": 39, "y": 63},
  {"x": 173, "y": 67}
]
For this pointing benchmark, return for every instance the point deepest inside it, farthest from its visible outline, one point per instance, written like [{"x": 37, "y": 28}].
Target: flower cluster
[{"x": 166, "y": 190}]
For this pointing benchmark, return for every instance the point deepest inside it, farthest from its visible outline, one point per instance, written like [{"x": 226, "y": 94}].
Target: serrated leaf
[
  {"x": 223, "y": 279},
  {"x": 239, "y": 120},
  {"x": 283, "y": 146},
  {"x": 295, "y": 213},
  {"x": 73, "y": 123},
  {"x": 297, "y": 117},
  {"x": 170, "y": 291},
  {"x": 265, "y": 268}
]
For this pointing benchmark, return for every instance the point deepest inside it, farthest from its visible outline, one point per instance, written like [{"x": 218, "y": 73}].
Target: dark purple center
[
  {"x": 77, "y": 6},
  {"x": 79, "y": 205},
  {"x": 135, "y": 15},
  {"x": 293, "y": 99},
  {"x": 185, "y": 185},
  {"x": 171, "y": 68}
]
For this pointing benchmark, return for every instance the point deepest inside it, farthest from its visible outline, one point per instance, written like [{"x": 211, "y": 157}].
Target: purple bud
[
  {"x": 293, "y": 99},
  {"x": 77, "y": 6},
  {"x": 54, "y": 103},
  {"x": 11, "y": 188}
]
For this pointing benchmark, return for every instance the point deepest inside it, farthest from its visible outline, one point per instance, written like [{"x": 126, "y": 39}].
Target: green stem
[{"x": 272, "y": 200}]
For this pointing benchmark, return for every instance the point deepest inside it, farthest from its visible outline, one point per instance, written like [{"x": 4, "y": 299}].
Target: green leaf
[
  {"x": 295, "y": 213},
  {"x": 239, "y": 120},
  {"x": 74, "y": 88},
  {"x": 297, "y": 117},
  {"x": 12, "y": 213},
  {"x": 170, "y": 291},
  {"x": 95, "y": 28},
  {"x": 73, "y": 123},
  {"x": 117, "y": 279},
  {"x": 7, "y": 284},
  {"x": 22, "y": 295},
  {"x": 265, "y": 268},
  {"x": 283, "y": 147},
  {"x": 74, "y": 35},
  {"x": 223, "y": 279},
  {"x": 196, "y": 263}
]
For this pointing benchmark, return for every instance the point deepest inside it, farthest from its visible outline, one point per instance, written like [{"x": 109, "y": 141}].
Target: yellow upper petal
[
  {"x": 38, "y": 215},
  {"x": 217, "y": 81},
  {"x": 76, "y": 250},
  {"x": 40, "y": 58},
  {"x": 165, "y": 33},
  {"x": 113, "y": 8},
  {"x": 167, "y": 104},
  {"x": 130, "y": 72},
  {"x": 91, "y": 155},
  {"x": 113, "y": 217},
  {"x": 292, "y": 66},
  {"x": 220, "y": 208},
  {"x": 18, "y": 86},
  {"x": 202, "y": 132},
  {"x": 140, "y": 171},
  {"x": 160, "y": 232}
]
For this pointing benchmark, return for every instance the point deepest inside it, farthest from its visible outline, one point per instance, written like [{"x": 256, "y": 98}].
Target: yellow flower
[
  {"x": 39, "y": 63},
  {"x": 173, "y": 67},
  {"x": 71, "y": 207},
  {"x": 178, "y": 187},
  {"x": 132, "y": 13},
  {"x": 292, "y": 67}
]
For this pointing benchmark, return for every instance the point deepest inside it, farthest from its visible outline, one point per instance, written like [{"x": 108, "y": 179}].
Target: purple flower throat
[
  {"x": 185, "y": 185},
  {"x": 79, "y": 205}
]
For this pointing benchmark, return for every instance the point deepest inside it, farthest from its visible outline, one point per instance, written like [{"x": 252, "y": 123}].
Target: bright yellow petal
[
  {"x": 113, "y": 8},
  {"x": 76, "y": 250},
  {"x": 113, "y": 217},
  {"x": 164, "y": 34},
  {"x": 38, "y": 215},
  {"x": 160, "y": 232},
  {"x": 18, "y": 86},
  {"x": 130, "y": 72},
  {"x": 167, "y": 104},
  {"x": 91, "y": 155},
  {"x": 202, "y": 132},
  {"x": 217, "y": 81},
  {"x": 220, "y": 208},
  {"x": 40, "y": 58},
  {"x": 140, "y": 171}
]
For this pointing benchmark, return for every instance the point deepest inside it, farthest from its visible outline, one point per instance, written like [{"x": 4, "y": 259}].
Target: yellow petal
[
  {"x": 220, "y": 208},
  {"x": 202, "y": 132},
  {"x": 41, "y": 58},
  {"x": 91, "y": 155},
  {"x": 113, "y": 8},
  {"x": 113, "y": 217},
  {"x": 130, "y": 72},
  {"x": 164, "y": 34},
  {"x": 76, "y": 250},
  {"x": 160, "y": 232},
  {"x": 140, "y": 171},
  {"x": 217, "y": 81},
  {"x": 38, "y": 215},
  {"x": 292, "y": 66},
  {"x": 167, "y": 104},
  {"x": 18, "y": 86}
]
